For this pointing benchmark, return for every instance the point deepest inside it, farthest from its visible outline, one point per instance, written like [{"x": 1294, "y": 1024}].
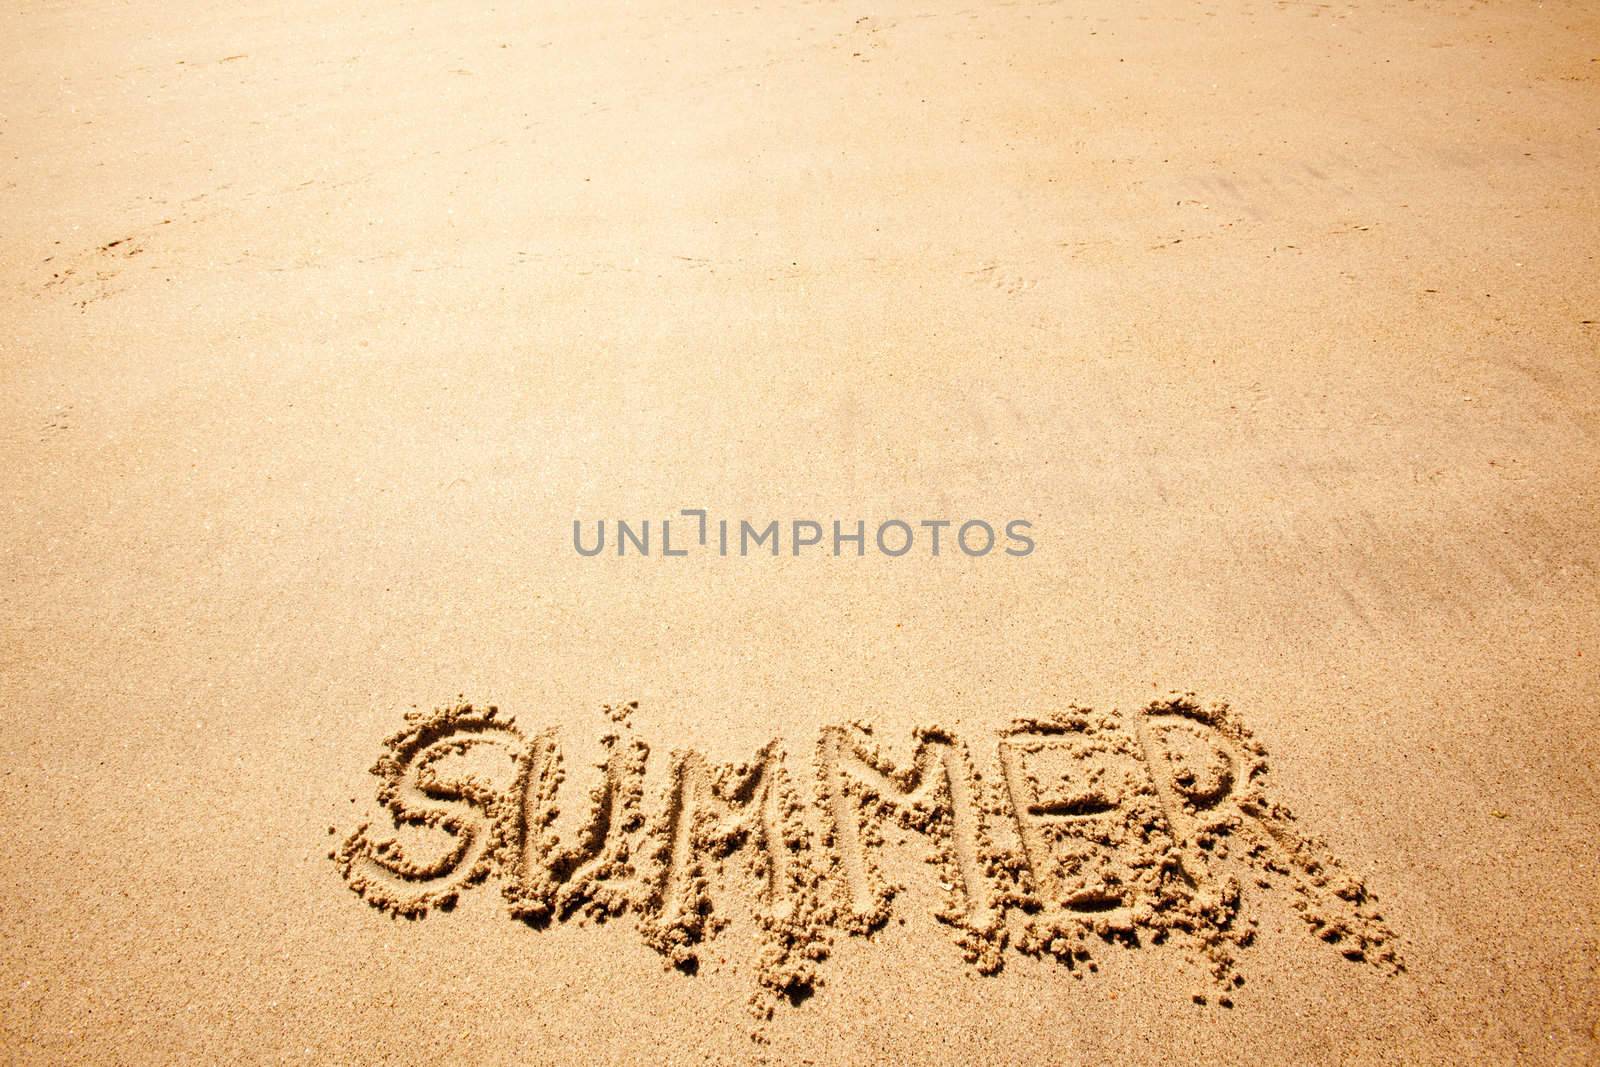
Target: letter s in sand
[{"x": 437, "y": 778}]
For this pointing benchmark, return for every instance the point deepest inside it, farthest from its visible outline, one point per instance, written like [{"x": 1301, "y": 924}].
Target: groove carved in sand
[{"x": 1097, "y": 830}]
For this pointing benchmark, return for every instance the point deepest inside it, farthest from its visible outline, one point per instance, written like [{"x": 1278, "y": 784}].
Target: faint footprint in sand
[
  {"x": 995, "y": 277},
  {"x": 60, "y": 421}
]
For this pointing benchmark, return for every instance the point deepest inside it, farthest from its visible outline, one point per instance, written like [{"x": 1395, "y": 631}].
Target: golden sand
[{"x": 1274, "y": 322}]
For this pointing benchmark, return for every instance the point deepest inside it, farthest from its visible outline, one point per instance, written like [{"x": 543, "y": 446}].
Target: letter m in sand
[
  {"x": 716, "y": 816},
  {"x": 933, "y": 794}
]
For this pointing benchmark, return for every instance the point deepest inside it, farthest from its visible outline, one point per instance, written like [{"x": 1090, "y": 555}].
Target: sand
[{"x": 1275, "y": 323}]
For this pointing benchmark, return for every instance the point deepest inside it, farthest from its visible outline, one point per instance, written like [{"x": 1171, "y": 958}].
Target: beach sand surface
[{"x": 321, "y": 323}]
